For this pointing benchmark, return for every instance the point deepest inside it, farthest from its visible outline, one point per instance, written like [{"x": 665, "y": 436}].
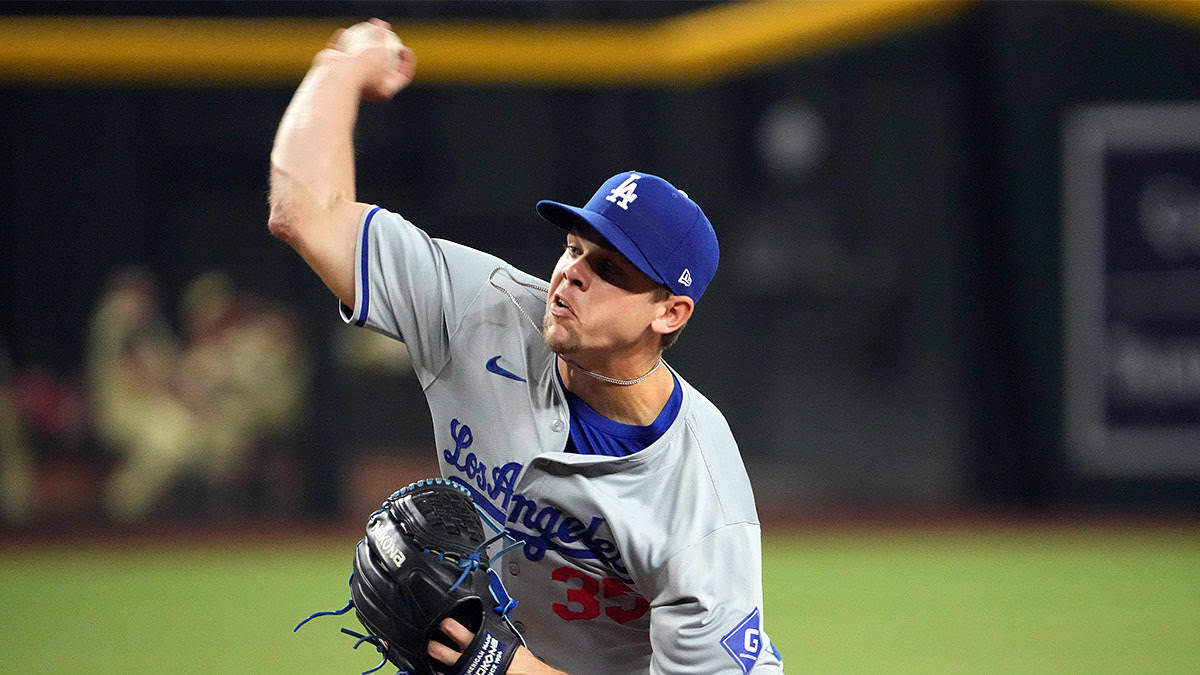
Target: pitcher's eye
[{"x": 610, "y": 272}]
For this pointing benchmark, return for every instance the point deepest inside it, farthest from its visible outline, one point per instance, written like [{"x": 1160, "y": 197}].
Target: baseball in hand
[{"x": 366, "y": 35}]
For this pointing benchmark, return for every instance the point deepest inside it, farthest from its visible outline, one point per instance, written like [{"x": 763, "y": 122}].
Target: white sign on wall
[{"x": 1131, "y": 264}]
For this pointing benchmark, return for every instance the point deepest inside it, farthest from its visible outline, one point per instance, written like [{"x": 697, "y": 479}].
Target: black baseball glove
[{"x": 423, "y": 560}]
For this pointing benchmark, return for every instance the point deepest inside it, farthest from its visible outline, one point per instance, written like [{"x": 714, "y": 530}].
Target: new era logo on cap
[{"x": 653, "y": 224}]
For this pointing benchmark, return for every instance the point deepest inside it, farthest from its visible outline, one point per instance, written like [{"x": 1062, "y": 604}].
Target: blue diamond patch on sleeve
[{"x": 744, "y": 642}]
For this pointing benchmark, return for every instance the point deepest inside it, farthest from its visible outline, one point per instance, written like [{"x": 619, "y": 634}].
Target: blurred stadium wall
[{"x": 887, "y": 326}]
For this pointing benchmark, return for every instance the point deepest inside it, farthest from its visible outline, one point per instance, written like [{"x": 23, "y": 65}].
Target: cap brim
[{"x": 568, "y": 217}]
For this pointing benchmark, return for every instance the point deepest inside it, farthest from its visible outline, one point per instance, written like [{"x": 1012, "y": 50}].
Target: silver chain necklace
[
  {"x": 613, "y": 380},
  {"x": 536, "y": 327}
]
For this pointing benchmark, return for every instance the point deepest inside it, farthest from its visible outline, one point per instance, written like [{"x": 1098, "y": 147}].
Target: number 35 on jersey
[{"x": 585, "y": 599}]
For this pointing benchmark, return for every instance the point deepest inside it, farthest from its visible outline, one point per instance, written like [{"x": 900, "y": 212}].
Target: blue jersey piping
[{"x": 366, "y": 282}]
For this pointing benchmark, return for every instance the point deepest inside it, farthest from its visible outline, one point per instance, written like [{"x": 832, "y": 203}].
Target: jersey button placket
[
  {"x": 557, "y": 426},
  {"x": 514, "y": 569}
]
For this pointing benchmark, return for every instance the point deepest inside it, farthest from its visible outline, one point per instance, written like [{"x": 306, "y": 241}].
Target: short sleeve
[
  {"x": 414, "y": 288},
  {"x": 707, "y": 616}
]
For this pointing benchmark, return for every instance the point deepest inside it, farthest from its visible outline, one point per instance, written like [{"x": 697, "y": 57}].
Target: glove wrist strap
[{"x": 490, "y": 653}]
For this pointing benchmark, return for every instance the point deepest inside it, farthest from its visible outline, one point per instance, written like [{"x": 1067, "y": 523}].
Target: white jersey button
[
  {"x": 557, "y": 425},
  {"x": 514, "y": 569}
]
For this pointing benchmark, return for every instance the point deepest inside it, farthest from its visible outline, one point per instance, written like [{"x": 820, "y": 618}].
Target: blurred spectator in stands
[
  {"x": 196, "y": 415},
  {"x": 245, "y": 375},
  {"x": 16, "y": 457},
  {"x": 132, "y": 361}
]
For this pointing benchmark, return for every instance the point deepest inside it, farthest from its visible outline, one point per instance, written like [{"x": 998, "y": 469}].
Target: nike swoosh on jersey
[{"x": 495, "y": 367}]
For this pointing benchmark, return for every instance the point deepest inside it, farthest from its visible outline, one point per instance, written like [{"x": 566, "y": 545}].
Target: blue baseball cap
[{"x": 656, "y": 226}]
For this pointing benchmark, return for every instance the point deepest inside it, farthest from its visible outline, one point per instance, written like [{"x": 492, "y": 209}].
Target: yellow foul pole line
[{"x": 700, "y": 46}]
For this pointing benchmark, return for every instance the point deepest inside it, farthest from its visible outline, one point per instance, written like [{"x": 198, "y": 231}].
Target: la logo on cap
[{"x": 623, "y": 194}]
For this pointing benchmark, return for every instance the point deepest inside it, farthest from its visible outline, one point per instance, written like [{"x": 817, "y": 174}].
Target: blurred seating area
[
  {"x": 194, "y": 421},
  {"x": 958, "y": 243}
]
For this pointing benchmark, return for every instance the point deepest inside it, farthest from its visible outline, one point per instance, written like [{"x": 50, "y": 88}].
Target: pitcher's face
[{"x": 598, "y": 300}]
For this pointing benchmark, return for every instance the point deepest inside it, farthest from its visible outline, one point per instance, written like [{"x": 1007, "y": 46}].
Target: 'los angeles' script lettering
[
  {"x": 503, "y": 479},
  {"x": 543, "y": 527}
]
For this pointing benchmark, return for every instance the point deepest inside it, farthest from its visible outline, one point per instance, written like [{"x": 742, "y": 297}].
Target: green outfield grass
[{"x": 891, "y": 601}]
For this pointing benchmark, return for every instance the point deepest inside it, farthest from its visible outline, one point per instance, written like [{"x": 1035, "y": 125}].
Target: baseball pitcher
[{"x": 551, "y": 404}]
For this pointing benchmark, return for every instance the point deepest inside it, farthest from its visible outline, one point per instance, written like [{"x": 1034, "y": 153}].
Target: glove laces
[
  {"x": 372, "y": 640},
  {"x": 337, "y": 612},
  {"x": 504, "y": 602},
  {"x": 471, "y": 563},
  {"x": 375, "y": 642}
]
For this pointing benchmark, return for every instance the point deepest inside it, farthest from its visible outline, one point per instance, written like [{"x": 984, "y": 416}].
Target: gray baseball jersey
[{"x": 645, "y": 563}]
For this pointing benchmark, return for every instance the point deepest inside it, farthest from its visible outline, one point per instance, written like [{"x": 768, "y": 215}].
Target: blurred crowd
[{"x": 163, "y": 420}]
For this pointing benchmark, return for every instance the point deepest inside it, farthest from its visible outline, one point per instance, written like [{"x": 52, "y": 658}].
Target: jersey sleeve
[
  {"x": 413, "y": 287},
  {"x": 707, "y": 616}
]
